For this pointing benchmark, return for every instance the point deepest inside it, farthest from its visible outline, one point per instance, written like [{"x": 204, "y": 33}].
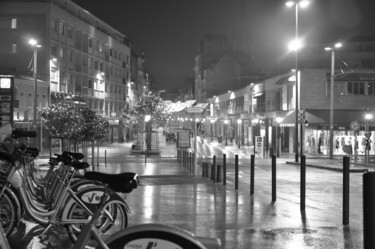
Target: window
[
  {"x": 356, "y": 88},
  {"x": 62, "y": 53},
  {"x": 14, "y": 49},
  {"x": 90, "y": 42},
  {"x": 70, "y": 32},
  {"x": 14, "y": 23},
  {"x": 62, "y": 28},
  {"x": 371, "y": 88}
]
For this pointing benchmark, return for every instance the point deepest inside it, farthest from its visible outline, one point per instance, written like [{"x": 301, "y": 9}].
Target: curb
[{"x": 330, "y": 168}]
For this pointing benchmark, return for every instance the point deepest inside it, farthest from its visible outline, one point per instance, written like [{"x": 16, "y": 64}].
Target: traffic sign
[
  {"x": 355, "y": 126},
  {"x": 194, "y": 110}
]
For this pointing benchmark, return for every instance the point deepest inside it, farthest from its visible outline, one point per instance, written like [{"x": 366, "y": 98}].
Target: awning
[
  {"x": 256, "y": 95},
  {"x": 315, "y": 117},
  {"x": 290, "y": 118}
]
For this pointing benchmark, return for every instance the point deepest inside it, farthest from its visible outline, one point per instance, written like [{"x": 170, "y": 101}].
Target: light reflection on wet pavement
[{"x": 169, "y": 195}]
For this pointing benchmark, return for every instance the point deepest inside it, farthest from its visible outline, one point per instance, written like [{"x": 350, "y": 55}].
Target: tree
[
  {"x": 63, "y": 119},
  {"x": 67, "y": 120},
  {"x": 149, "y": 103}
]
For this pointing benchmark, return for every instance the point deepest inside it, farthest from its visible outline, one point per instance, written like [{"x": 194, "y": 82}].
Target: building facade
[{"x": 80, "y": 57}]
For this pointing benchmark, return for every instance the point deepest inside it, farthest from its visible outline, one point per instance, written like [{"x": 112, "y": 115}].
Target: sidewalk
[{"x": 169, "y": 194}]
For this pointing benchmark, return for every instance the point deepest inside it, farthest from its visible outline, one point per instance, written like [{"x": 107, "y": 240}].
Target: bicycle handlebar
[{"x": 17, "y": 133}]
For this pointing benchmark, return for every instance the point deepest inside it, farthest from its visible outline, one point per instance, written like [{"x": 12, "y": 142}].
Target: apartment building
[{"x": 79, "y": 57}]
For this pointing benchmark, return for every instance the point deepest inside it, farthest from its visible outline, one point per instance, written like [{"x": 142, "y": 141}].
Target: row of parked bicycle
[{"x": 87, "y": 204}]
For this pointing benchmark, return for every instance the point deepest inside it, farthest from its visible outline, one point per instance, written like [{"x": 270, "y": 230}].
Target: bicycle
[
  {"x": 156, "y": 236},
  {"x": 69, "y": 208}
]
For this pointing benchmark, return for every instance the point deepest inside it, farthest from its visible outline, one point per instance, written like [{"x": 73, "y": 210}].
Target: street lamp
[
  {"x": 239, "y": 122},
  {"x": 278, "y": 145},
  {"x": 332, "y": 49},
  {"x": 226, "y": 121},
  {"x": 212, "y": 129},
  {"x": 368, "y": 116},
  {"x": 296, "y": 45},
  {"x": 147, "y": 119},
  {"x": 35, "y": 45}
]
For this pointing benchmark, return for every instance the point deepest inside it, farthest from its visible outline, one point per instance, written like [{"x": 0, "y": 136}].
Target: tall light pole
[
  {"x": 147, "y": 119},
  {"x": 368, "y": 116},
  {"x": 331, "y": 108},
  {"x": 239, "y": 122},
  {"x": 226, "y": 131},
  {"x": 296, "y": 45},
  {"x": 278, "y": 145},
  {"x": 35, "y": 45}
]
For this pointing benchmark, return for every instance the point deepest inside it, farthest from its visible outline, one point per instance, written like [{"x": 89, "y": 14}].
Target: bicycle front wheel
[
  {"x": 114, "y": 218},
  {"x": 8, "y": 213}
]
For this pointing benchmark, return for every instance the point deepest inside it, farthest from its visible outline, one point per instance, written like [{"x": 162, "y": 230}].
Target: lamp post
[
  {"x": 147, "y": 119},
  {"x": 278, "y": 145},
  {"x": 226, "y": 131},
  {"x": 296, "y": 45},
  {"x": 35, "y": 45},
  {"x": 212, "y": 129},
  {"x": 331, "y": 109},
  {"x": 239, "y": 122},
  {"x": 368, "y": 116}
]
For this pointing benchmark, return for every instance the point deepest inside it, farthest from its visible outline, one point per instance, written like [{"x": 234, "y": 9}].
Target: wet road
[{"x": 169, "y": 195}]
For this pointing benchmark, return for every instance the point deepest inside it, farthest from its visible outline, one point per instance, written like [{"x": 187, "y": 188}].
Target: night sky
[{"x": 169, "y": 31}]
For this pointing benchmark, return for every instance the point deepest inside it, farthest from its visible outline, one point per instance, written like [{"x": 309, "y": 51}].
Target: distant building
[
  {"x": 80, "y": 55},
  {"x": 219, "y": 68}
]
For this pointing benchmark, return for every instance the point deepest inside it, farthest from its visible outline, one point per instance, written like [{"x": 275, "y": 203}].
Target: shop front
[{"x": 345, "y": 141}]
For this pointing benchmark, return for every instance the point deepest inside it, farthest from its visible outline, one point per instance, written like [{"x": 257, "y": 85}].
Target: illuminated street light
[
  {"x": 331, "y": 110},
  {"x": 147, "y": 119},
  {"x": 34, "y": 43},
  {"x": 295, "y": 46}
]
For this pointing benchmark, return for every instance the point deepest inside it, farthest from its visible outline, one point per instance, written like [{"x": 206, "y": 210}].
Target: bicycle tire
[
  {"x": 8, "y": 213},
  {"x": 107, "y": 228},
  {"x": 154, "y": 236}
]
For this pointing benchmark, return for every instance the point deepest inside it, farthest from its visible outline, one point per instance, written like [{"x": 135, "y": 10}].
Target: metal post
[
  {"x": 369, "y": 210},
  {"x": 213, "y": 170},
  {"x": 346, "y": 183},
  {"x": 195, "y": 164},
  {"x": 303, "y": 183},
  {"x": 273, "y": 178},
  {"x": 252, "y": 171},
  {"x": 105, "y": 158},
  {"x": 331, "y": 104},
  {"x": 297, "y": 95},
  {"x": 236, "y": 171},
  {"x": 224, "y": 169}
]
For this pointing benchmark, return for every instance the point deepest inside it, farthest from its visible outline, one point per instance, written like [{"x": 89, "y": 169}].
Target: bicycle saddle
[{"x": 124, "y": 182}]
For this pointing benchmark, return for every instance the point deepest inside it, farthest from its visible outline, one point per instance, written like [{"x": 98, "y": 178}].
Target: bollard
[
  {"x": 273, "y": 178},
  {"x": 224, "y": 169},
  {"x": 105, "y": 158},
  {"x": 303, "y": 183},
  {"x": 252, "y": 171},
  {"x": 345, "y": 206},
  {"x": 368, "y": 210},
  {"x": 218, "y": 173},
  {"x": 236, "y": 172}
]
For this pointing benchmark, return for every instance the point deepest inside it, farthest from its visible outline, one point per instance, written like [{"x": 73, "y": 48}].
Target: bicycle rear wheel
[
  {"x": 8, "y": 213},
  {"x": 114, "y": 218}
]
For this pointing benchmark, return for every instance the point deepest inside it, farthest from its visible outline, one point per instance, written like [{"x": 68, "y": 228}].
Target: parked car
[{"x": 170, "y": 137}]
